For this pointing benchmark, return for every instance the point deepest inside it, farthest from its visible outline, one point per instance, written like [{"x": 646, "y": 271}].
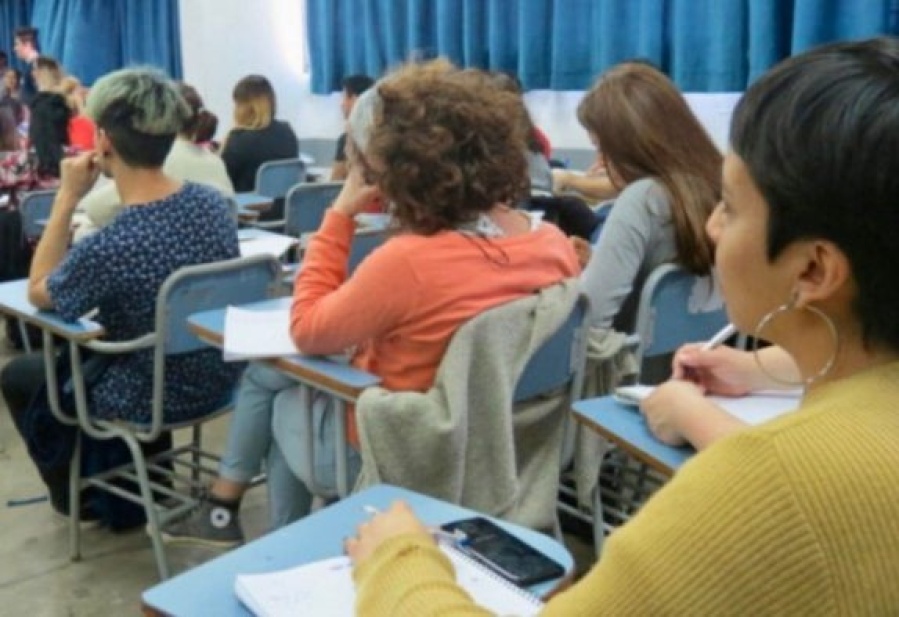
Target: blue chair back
[
  {"x": 275, "y": 178},
  {"x": 35, "y": 206},
  {"x": 364, "y": 242},
  {"x": 677, "y": 307},
  {"x": 305, "y": 206},
  {"x": 206, "y": 287},
  {"x": 559, "y": 361}
]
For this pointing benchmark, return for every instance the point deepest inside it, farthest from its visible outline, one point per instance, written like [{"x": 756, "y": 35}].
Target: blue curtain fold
[
  {"x": 704, "y": 45},
  {"x": 93, "y": 37},
  {"x": 13, "y": 13}
]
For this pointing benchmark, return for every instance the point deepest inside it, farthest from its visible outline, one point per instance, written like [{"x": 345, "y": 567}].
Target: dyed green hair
[{"x": 141, "y": 111}]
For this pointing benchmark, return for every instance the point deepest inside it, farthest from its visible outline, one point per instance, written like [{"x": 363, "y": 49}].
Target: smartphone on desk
[{"x": 491, "y": 545}]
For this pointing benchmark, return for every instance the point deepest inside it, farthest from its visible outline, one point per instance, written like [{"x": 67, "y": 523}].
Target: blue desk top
[
  {"x": 336, "y": 376},
  {"x": 626, "y": 427},
  {"x": 252, "y": 200},
  {"x": 14, "y": 301},
  {"x": 209, "y": 589}
]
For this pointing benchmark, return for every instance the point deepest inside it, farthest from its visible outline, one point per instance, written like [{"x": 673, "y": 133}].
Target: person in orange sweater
[
  {"x": 797, "y": 516},
  {"x": 446, "y": 148}
]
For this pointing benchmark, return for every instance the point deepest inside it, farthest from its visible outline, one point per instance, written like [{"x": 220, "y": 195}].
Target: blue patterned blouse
[{"x": 120, "y": 270}]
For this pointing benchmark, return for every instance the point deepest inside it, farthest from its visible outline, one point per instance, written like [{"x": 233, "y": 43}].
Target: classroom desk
[
  {"x": 624, "y": 426},
  {"x": 14, "y": 302},
  {"x": 209, "y": 589},
  {"x": 313, "y": 373},
  {"x": 252, "y": 201},
  {"x": 339, "y": 379}
]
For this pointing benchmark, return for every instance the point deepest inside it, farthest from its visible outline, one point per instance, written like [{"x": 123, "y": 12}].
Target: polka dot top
[{"x": 119, "y": 270}]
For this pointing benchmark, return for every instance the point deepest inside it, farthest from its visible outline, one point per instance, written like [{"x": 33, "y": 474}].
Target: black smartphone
[{"x": 496, "y": 548}]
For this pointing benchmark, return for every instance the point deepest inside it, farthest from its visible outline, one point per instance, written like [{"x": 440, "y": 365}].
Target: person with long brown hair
[{"x": 669, "y": 174}]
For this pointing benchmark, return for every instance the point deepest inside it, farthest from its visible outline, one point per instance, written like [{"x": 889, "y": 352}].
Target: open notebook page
[
  {"x": 755, "y": 408},
  {"x": 257, "y": 334},
  {"x": 326, "y": 588}
]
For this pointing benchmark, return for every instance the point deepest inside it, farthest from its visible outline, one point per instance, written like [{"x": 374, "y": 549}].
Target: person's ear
[
  {"x": 825, "y": 273},
  {"x": 103, "y": 145}
]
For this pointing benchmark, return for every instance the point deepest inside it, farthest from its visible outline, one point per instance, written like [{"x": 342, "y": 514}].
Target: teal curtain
[
  {"x": 13, "y": 13},
  {"x": 705, "y": 45},
  {"x": 93, "y": 37}
]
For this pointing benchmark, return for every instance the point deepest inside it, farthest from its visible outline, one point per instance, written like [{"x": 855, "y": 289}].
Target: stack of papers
[
  {"x": 257, "y": 334},
  {"x": 270, "y": 244}
]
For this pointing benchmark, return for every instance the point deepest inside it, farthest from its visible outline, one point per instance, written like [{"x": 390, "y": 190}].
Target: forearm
[
  {"x": 777, "y": 362},
  {"x": 593, "y": 187},
  {"x": 51, "y": 249},
  {"x": 708, "y": 423},
  {"x": 409, "y": 575}
]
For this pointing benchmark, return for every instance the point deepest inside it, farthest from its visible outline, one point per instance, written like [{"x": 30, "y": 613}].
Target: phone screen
[{"x": 505, "y": 554}]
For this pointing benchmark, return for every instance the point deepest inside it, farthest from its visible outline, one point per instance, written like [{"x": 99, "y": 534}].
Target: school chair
[
  {"x": 551, "y": 377},
  {"x": 676, "y": 307},
  {"x": 305, "y": 206},
  {"x": 35, "y": 208},
  {"x": 185, "y": 292},
  {"x": 274, "y": 179}
]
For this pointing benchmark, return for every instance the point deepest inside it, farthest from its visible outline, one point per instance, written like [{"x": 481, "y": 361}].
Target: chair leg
[
  {"x": 23, "y": 332},
  {"x": 75, "y": 501},
  {"x": 143, "y": 479},
  {"x": 599, "y": 527},
  {"x": 195, "y": 458}
]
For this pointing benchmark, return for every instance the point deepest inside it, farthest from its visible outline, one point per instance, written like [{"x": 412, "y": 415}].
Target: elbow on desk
[
  {"x": 310, "y": 340},
  {"x": 38, "y": 295}
]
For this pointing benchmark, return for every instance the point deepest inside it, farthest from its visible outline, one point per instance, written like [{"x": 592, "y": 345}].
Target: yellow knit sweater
[{"x": 796, "y": 517}]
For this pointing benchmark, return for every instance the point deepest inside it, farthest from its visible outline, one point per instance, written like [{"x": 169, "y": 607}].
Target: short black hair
[
  {"x": 4, "y": 56},
  {"x": 48, "y": 131},
  {"x": 354, "y": 85},
  {"x": 136, "y": 148},
  {"x": 819, "y": 135},
  {"x": 27, "y": 34}
]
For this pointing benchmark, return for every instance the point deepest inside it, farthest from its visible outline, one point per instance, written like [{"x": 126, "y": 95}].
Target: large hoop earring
[{"x": 769, "y": 317}]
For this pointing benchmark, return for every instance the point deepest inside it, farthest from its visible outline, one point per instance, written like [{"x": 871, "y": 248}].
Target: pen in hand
[
  {"x": 722, "y": 335},
  {"x": 453, "y": 537}
]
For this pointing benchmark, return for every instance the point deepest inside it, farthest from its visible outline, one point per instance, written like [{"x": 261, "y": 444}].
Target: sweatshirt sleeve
[
  {"x": 332, "y": 312},
  {"x": 726, "y": 536},
  {"x": 623, "y": 245}
]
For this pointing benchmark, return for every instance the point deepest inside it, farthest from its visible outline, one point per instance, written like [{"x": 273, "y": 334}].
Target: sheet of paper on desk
[
  {"x": 257, "y": 334},
  {"x": 274, "y": 245},
  {"x": 756, "y": 408},
  {"x": 326, "y": 588}
]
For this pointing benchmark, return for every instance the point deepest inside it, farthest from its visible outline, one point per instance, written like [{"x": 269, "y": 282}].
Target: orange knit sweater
[{"x": 404, "y": 302}]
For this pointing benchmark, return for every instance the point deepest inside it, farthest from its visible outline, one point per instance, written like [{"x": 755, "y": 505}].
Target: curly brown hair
[{"x": 448, "y": 144}]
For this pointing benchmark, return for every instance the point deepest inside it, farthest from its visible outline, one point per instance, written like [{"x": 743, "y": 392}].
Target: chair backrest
[
  {"x": 232, "y": 207},
  {"x": 364, "y": 242},
  {"x": 675, "y": 308},
  {"x": 35, "y": 206},
  {"x": 305, "y": 206},
  {"x": 274, "y": 178},
  {"x": 205, "y": 287},
  {"x": 560, "y": 360}
]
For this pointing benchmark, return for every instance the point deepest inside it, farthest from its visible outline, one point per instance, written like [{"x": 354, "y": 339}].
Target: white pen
[
  {"x": 455, "y": 537},
  {"x": 722, "y": 335}
]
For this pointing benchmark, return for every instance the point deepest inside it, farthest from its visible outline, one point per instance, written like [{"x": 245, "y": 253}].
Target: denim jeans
[{"x": 251, "y": 441}]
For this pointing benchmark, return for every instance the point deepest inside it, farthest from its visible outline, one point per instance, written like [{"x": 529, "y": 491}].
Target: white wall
[{"x": 223, "y": 40}]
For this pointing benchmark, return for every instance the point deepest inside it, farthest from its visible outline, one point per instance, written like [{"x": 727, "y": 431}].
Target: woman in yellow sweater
[{"x": 800, "y": 515}]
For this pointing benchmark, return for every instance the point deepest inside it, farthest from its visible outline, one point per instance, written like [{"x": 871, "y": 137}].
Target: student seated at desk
[
  {"x": 165, "y": 225},
  {"x": 669, "y": 173},
  {"x": 797, "y": 516},
  {"x": 460, "y": 249}
]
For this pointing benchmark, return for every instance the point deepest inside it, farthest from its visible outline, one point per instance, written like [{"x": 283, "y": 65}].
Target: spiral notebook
[{"x": 326, "y": 588}]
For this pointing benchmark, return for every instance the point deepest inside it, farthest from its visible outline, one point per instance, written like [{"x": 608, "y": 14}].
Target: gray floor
[{"x": 37, "y": 578}]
